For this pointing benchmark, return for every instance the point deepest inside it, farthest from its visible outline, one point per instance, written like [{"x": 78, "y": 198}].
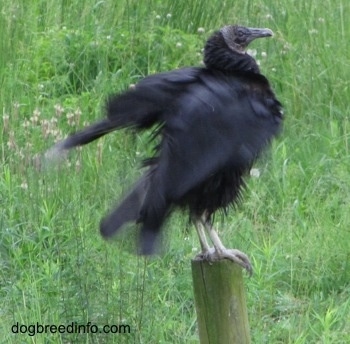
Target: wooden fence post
[{"x": 220, "y": 302}]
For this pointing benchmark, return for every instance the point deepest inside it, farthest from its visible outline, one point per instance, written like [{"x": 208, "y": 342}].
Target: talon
[{"x": 236, "y": 256}]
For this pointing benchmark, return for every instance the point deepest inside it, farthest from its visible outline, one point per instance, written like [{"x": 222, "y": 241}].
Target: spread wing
[{"x": 151, "y": 99}]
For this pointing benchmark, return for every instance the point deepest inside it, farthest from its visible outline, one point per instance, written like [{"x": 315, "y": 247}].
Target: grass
[{"x": 59, "y": 61}]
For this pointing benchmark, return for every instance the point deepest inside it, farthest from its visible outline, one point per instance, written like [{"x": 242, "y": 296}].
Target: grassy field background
[{"x": 59, "y": 60}]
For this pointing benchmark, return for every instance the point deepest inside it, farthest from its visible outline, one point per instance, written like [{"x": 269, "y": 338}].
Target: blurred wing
[
  {"x": 218, "y": 123},
  {"x": 127, "y": 211},
  {"x": 144, "y": 105}
]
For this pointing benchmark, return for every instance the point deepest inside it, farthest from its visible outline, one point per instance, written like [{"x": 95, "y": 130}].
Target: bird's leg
[
  {"x": 201, "y": 235},
  {"x": 222, "y": 252}
]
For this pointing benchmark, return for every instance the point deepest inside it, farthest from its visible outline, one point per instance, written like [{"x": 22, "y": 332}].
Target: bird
[{"x": 212, "y": 121}]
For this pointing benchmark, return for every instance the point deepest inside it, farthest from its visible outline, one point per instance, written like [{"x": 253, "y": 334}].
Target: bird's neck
[{"x": 223, "y": 58}]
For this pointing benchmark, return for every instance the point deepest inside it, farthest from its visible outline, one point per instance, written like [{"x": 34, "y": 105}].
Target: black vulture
[{"x": 213, "y": 122}]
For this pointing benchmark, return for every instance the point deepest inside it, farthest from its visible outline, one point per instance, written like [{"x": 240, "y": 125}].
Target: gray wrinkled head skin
[
  {"x": 226, "y": 48},
  {"x": 239, "y": 37}
]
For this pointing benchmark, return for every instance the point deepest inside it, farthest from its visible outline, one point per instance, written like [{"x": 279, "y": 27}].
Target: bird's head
[
  {"x": 238, "y": 38},
  {"x": 226, "y": 48}
]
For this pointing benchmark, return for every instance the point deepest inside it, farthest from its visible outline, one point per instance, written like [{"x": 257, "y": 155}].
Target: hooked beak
[{"x": 259, "y": 33}]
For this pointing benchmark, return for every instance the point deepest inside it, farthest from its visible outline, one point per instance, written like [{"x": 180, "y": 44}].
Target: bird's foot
[
  {"x": 238, "y": 257},
  {"x": 234, "y": 255}
]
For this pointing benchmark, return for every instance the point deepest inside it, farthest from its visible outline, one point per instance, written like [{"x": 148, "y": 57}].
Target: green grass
[{"x": 59, "y": 61}]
